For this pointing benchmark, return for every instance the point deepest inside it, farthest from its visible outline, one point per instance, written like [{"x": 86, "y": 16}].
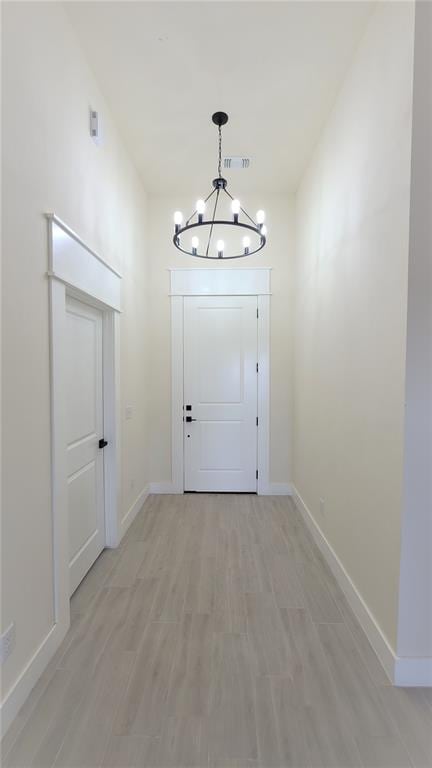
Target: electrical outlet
[
  {"x": 322, "y": 507},
  {"x": 129, "y": 411},
  {"x": 7, "y": 642}
]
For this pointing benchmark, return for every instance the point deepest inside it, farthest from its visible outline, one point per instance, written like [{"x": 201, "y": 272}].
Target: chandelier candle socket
[
  {"x": 235, "y": 207},
  {"x": 215, "y": 224},
  {"x": 178, "y": 218},
  {"x": 200, "y": 206}
]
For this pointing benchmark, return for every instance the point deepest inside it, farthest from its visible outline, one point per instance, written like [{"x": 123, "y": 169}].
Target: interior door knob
[
  {"x": 102, "y": 443},
  {"x": 189, "y": 418}
]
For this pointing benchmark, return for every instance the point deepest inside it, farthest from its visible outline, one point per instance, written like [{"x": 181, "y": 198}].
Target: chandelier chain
[{"x": 220, "y": 152}]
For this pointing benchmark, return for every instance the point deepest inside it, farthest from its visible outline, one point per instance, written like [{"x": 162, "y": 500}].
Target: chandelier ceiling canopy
[{"x": 208, "y": 223}]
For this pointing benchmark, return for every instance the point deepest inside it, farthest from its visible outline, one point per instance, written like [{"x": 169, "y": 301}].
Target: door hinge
[
  {"x": 257, "y": 313},
  {"x": 257, "y": 420},
  {"x": 257, "y": 367},
  {"x": 256, "y": 474}
]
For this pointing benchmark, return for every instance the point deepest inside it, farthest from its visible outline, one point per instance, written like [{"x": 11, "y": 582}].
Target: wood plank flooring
[{"x": 216, "y": 637}]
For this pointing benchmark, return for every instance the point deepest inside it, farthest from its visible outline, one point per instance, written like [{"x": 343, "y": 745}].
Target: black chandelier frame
[{"x": 219, "y": 186}]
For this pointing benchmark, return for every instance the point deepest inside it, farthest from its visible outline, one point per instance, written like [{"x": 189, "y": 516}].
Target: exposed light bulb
[
  {"x": 260, "y": 217},
  {"x": 264, "y": 230},
  {"x": 178, "y": 218},
  {"x": 195, "y": 242},
  {"x": 200, "y": 206},
  {"x": 246, "y": 244},
  {"x": 235, "y": 207},
  {"x": 220, "y": 246}
]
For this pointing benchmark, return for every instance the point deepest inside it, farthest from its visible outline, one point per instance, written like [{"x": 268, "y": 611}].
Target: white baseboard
[
  {"x": 275, "y": 489},
  {"x": 168, "y": 487},
  {"x": 413, "y": 672},
  {"x": 272, "y": 489},
  {"x": 28, "y": 678},
  {"x": 133, "y": 510},
  {"x": 367, "y": 621},
  {"x": 402, "y": 671}
]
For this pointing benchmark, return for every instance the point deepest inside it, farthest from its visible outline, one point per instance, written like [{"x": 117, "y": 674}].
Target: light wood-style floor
[{"x": 216, "y": 636}]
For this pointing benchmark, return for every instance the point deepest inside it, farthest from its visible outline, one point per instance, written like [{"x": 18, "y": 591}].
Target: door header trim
[
  {"x": 219, "y": 282},
  {"x": 76, "y": 265}
]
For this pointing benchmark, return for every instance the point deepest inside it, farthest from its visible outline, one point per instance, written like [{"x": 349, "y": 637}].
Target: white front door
[
  {"x": 84, "y": 429},
  {"x": 220, "y": 393}
]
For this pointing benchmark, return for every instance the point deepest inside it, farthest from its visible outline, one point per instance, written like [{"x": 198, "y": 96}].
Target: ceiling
[{"x": 165, "y": 67}]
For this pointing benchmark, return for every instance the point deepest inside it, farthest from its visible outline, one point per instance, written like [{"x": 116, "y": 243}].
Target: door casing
[
  {"x": 76, "y": 271},
  {"x": 219, "y": 282}
]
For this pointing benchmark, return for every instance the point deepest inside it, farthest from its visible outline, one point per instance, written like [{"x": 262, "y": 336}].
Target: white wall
[
  {"x": 415, "y": 602},
  {"x": 51, "y": 164},
  {"x": 350, "y": 325},
  {"x": 278, "y": 255}
]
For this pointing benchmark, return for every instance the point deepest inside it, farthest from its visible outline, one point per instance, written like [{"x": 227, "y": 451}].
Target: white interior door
[
  {"x": 220, "y": 387},
  {"x": 84, "y": 425}
]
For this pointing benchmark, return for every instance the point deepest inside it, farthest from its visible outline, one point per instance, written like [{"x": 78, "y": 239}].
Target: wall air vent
[{"x": 236, "y": 162}]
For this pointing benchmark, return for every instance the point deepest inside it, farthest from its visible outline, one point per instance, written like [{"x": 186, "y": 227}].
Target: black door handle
[
  {"x": 102, "y": 443},
  {"x": 189, "y": 418}
]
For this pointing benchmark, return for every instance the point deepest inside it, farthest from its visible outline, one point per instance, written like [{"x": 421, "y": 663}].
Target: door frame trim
[
  {"x": 76, "y": 271},
  {"x": 218, "y": 282}
]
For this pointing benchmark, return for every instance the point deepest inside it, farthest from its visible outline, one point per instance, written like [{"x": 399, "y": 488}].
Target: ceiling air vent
[{"x": 236, "y": 162}]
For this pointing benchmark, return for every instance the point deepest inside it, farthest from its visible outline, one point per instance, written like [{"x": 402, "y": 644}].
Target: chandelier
[{"x": 211, "y": 245}]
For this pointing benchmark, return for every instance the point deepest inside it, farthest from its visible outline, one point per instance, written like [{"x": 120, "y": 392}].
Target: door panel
[
  {"x": 84, "y": 425},
  {"x": 82, "y": 501},
  {"x": 220, "y": 383}
]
